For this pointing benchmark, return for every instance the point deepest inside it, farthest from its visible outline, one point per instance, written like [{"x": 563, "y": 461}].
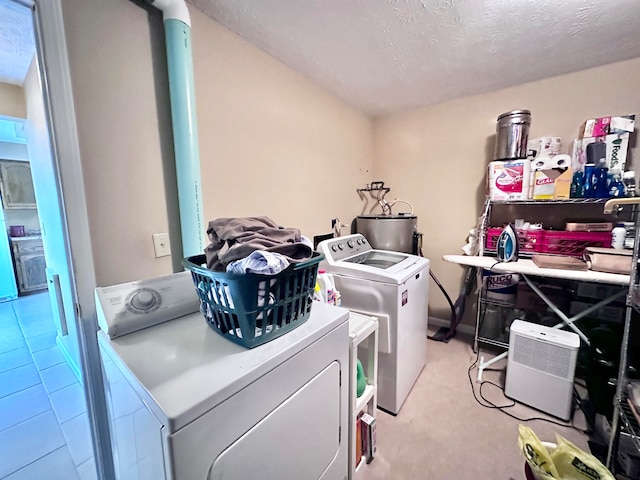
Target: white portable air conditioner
[{"x": 541, "y": 367}]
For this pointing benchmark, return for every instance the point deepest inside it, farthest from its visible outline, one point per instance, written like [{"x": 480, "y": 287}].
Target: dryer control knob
[
  {"x": 350, "y": 243},
  {"x": 334, "y": 248},
  {"x": 143, "y": 300},
  {"x": 341, "y": 246}
]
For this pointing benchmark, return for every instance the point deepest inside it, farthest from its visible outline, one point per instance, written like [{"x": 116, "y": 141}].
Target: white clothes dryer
[
  {"x": 394, "y": 287},
  {"x": 184, "y": 403}
]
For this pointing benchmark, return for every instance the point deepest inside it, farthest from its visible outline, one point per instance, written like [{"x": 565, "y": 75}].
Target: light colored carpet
[{"x": 441, "y": 432}]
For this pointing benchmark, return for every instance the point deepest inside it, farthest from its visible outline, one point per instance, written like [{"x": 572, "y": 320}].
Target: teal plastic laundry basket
[{"x": 251, "y": 309}]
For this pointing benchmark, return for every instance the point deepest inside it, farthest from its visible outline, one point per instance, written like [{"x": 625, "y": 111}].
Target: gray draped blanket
[{"x": 235, "y": 238}]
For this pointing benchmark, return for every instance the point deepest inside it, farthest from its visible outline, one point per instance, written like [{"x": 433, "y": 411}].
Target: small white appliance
[
  {"x": 541, "y": 367},
  {"x": 186, "y": 403},
  {"x": 394, "y": 287}
]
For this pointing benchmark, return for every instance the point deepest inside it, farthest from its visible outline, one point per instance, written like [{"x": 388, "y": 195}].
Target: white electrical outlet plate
[{"x": 161, "y": 244}]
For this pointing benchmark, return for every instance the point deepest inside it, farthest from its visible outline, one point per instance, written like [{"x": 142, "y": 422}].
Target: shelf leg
[
  {"x": 614, "y": 438},
  {"x": 486, "y": 364}
]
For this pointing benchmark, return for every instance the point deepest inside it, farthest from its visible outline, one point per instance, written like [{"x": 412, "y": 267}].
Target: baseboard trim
[
  {"x": 74, "y": 368},
  {"x": 462, "y": 328}
]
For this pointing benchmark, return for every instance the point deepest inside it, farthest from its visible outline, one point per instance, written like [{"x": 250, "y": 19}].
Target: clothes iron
[{"x": 508, "y": 245}]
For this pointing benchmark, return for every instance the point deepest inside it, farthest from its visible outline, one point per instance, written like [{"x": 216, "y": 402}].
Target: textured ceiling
[
  {"x": 16, "y": 42},
  {"x": 385, "y": 56}
]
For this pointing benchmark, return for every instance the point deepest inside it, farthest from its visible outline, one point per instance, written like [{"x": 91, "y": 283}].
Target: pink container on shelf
[
  {"x": 572, "y": 243},
  {"x": 528, "y": 239}
]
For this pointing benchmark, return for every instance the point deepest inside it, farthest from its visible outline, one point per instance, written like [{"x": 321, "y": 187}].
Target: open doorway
[{"x": 45, "y": 428}]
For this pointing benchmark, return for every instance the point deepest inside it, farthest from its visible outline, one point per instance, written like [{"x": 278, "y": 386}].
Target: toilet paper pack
[
  {"x": 544, "y": 146},
  {"x": 549, "y": 162},
  {"x": 544, "y": 173}
]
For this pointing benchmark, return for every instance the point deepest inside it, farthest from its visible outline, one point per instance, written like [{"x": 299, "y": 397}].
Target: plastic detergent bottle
[
  {"x": 361, "y": 379},
  {"x": 615, "y": 185},
  {"x": 327, "y": 287},
  {"x": 618, "y": 235},
  {"x": 317, "y": 293}
]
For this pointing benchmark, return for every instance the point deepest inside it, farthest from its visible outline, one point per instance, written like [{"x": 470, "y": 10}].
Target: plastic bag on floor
[
  {"x": 576, "y": 464},
  {"x": 563, "y": 460},
  {"x": 536, "y": 454}
]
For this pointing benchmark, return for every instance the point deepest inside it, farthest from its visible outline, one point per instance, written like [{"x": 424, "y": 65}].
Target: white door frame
[{"x": 65, "y": 149}]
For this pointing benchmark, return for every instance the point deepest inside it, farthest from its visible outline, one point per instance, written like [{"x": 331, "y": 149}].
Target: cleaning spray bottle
[{"x": 508, "y": 245}]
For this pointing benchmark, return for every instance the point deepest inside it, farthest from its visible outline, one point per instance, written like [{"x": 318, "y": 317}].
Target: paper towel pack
[{"x": 509, "y": 180}]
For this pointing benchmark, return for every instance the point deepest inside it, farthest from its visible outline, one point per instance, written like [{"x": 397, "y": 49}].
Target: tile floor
[{"x": 44, "y": 428}]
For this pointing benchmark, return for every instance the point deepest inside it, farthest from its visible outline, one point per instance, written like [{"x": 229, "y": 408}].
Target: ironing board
[{"x": 526, "y": 268}]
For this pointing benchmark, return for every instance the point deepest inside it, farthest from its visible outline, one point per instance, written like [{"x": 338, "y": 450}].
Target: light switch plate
[{"x": 161, "y": 244}]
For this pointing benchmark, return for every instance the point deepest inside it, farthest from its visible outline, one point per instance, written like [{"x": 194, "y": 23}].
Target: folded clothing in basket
[
  {"x": 236, "y": 238},
  {"x": 259, "y": 261},
  {"x": 224, "y": 297},
  {"x": 263, "y": 262},
  {"x": 224, "y": 292}
]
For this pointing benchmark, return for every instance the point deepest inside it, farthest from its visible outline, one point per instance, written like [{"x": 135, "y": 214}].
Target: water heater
[
  {"x": 398, "y": 233},
  {"x": 541, "y": 367}
]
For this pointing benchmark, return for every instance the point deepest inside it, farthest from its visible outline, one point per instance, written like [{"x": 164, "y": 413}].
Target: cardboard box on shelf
[
  {"x": 616, "y": 146},
  {"x": 368, "y": 436},
  {"x": 626, "y": 123},
  {"x": 603, "y": 126},
  {"x": 358, "y": 442},
  {"x": 552, "y": 184},
  {"x": 509, "y": 180},
  {"x": 578, "y": 155},
  {"x": 595, "y": 127}
]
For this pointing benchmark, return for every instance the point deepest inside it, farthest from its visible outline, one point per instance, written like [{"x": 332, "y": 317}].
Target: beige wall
[
  {"x": 12, "y": 101},
  {"x": 271, "y": 143},
  {"x": 436, "y": 157}
]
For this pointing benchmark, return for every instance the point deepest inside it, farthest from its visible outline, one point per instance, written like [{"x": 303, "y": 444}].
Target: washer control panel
[
  {"x": 129, "y": 307},
  {"x": 143, "y": 301},
  {"x": 339, "y": 248}
]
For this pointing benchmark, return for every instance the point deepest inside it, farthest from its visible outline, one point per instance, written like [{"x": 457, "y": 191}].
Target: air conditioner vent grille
[{"x": 545, "y": 357}]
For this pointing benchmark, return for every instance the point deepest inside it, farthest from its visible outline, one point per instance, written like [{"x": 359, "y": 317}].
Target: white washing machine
[
  {"x": 394, "y": 287},
  {"x": 187, "y": 404}
]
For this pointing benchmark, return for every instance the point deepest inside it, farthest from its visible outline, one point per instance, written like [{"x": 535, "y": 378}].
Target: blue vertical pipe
[{"x": 185, "y": 134}]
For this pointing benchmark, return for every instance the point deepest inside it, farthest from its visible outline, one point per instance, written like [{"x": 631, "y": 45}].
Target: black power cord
[{"x": 502, "y": 408}]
